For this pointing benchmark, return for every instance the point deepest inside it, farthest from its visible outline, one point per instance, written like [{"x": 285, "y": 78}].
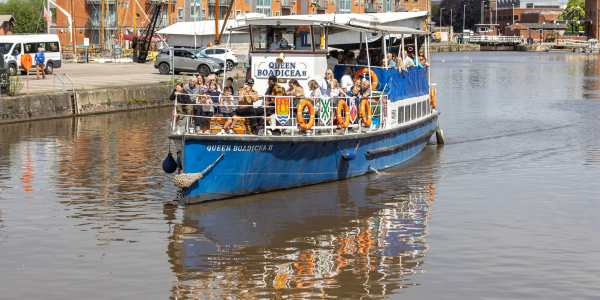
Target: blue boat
[{"x": 395, "y": 119}]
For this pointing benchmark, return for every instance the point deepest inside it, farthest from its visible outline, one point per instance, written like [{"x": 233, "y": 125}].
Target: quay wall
[
  {"x": 454, "y": 48},
  {"x": 44, "y": 106},
  {"x": 58, "y": 105}
]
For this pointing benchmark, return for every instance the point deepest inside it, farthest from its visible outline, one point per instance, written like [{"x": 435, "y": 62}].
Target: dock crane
[{"x": 146, "y": 41}]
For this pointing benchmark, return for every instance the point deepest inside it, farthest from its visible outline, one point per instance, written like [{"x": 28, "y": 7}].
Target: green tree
[
  {"x": 575, "y": 11},
  {"x": 28, "y": 14},
  {"x": 471, "y": 9}
]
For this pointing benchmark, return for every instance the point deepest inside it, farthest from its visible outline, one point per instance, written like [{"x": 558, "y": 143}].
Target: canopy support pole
[
  {"x": 383, "y": 35},
  {"x": 368, "y": 62}
]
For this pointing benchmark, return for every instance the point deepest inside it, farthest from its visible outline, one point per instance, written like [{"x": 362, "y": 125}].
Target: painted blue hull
[{"x": 254, "y": 164}]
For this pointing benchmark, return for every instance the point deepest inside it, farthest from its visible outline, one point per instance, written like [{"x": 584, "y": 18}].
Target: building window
[
  {"x": 293, "y": 13},
  {"x": 345, "y": 6},
  {"x": 137, "y": 16},
  {"x": 179, "y": 14},
  {"x": 53, "y": 11},
  {"x": 277, "y": 14},
  {"x": 238, "y": 12},
  {"x": 195, "y": 13},
  {"x": 263, "y": 7},
  {"x": 203, "y": 14},
  {"x": 516, "y": 18},
  {"x": 389, "y": 6},
  {"x": 247, "y": 2}
]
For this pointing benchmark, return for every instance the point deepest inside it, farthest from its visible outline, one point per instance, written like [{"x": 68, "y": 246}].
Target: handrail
[
  {"x": 72, "y": 83},
  {"x": 63, "y": 83}
]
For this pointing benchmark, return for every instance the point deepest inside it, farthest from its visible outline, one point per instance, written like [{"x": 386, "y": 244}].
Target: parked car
[
  {"x": 222, "y": 53},
  {"x": 188, "y": 60}
]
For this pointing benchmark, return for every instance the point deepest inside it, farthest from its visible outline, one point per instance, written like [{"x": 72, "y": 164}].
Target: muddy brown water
[{"x": 508, "y": 208}]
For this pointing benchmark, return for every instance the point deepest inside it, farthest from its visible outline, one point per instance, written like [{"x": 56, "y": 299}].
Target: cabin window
[
  {"x": 424, "y": 107},
  {"x": 418, "y": 110},
  {"x": 282, "y": 38},
  {"x": 393, "y": 115},
  {"x": 413, "y": 109},
  {"x": 320, "y": 37},
  {"x": 401, "y": 114},
  {"x": 407, "y": 114}
]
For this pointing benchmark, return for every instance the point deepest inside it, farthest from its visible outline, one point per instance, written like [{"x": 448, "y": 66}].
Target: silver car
[{"x": 188, "y": 60}]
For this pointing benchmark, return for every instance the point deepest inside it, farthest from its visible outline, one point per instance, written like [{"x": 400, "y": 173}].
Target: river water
[{"x": 508, "y": 208}]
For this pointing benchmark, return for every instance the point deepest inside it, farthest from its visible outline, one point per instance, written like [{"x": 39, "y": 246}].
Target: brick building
[
  {"x": 592, "y": 13},
  {"x": 8, "y": 22},
  {"x": 89, "y": 13},
  {"x": 88, "y": 17},
  {"x": 508, "y": 16}
]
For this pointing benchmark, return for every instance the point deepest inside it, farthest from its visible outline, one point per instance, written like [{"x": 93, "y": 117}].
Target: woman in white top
[
  {"x": 346, "y": 82},
  {"x": 326, "y": 83}
]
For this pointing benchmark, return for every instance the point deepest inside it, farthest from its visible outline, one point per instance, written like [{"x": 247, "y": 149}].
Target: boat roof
[{"x": 340, "y": 22}]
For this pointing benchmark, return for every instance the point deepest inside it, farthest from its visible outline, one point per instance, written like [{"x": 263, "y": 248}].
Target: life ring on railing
[
  {"x": 343, "y": 122},
  {"x": 432, "y": 94},
  {"x": 365, "y": 113},
  {"x": 26, "y": 61},
  {"x": 372, "y": 77},
  {"x": 311, "y": 109}
]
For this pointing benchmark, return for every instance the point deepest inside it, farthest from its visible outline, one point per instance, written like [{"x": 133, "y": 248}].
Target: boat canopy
[{"x": 337, "y": 23}]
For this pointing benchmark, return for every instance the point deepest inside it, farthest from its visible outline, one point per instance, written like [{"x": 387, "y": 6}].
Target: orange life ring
[
  {"x": 26, "y": 61},
  {"x": 432, "y": 94},
  {"x": 372, "y": 75},
  {"x": 301, "y": 119},
  {"x": 365, "y": 113},
  {"x": 343, "y": 122}
]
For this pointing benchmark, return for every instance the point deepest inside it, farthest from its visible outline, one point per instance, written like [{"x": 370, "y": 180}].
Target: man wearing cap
[{"x": 247, "y": 97}]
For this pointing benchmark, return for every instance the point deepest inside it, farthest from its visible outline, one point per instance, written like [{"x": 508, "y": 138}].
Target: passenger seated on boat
[
  {"x": 214, "y": 93},
  {"x": 332, "y": 59},
  {"x": 213, "y": 78},
  {"x": 274, "y": 90},
  {"x": 391, "y": 62},
  {"x": 296, "y": 91},
  {"x": 416, "y": 61},
  {"x": 325, "y": 83},
  {"x": 182, "y": 99},
  {"x": 337, "y": 93},
  {"x": 365, "y": 90},
  {"x": 201, "y": 83},
  {"x": 346, "y": 83},
  {"x": 230, "y": 85},
  {"x": 227, "y": 105},
  {"x": 362, "y": 58},
  {"x": 192, "y": 89},
  {"x": 204, "y": 112},
  {"x": 247, "y": 97},
  {"x": 423, "y": 61},
  {"x": 408, "y": 62}
]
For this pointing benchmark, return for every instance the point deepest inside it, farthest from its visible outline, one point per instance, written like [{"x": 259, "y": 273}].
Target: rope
[{"x": 186, "y": 180}]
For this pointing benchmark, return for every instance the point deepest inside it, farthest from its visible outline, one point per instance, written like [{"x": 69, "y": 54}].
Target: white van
[{"x": 14, "y": 46}]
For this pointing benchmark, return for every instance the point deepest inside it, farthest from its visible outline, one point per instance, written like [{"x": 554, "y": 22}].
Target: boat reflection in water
[{"x": 344, "y": 239}]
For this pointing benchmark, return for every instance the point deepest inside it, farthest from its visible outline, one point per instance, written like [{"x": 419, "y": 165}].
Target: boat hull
[{"x": 253, "y": 164}]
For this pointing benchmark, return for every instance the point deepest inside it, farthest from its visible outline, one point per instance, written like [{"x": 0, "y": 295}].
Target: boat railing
[{"x": 325, "y": 114}]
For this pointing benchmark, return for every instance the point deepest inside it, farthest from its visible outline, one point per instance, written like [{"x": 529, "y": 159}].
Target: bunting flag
[
  {"x": 47, "y": 15},
  {"x": 282, "y": 109},
  {"x": 353, "y": 109},
  {"x": 325, "y": 115}
]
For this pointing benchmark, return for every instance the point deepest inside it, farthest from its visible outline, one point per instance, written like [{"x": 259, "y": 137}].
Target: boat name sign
[
  {"x": 286, "y": 70},
  {"x": 224, "y": 148}
]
